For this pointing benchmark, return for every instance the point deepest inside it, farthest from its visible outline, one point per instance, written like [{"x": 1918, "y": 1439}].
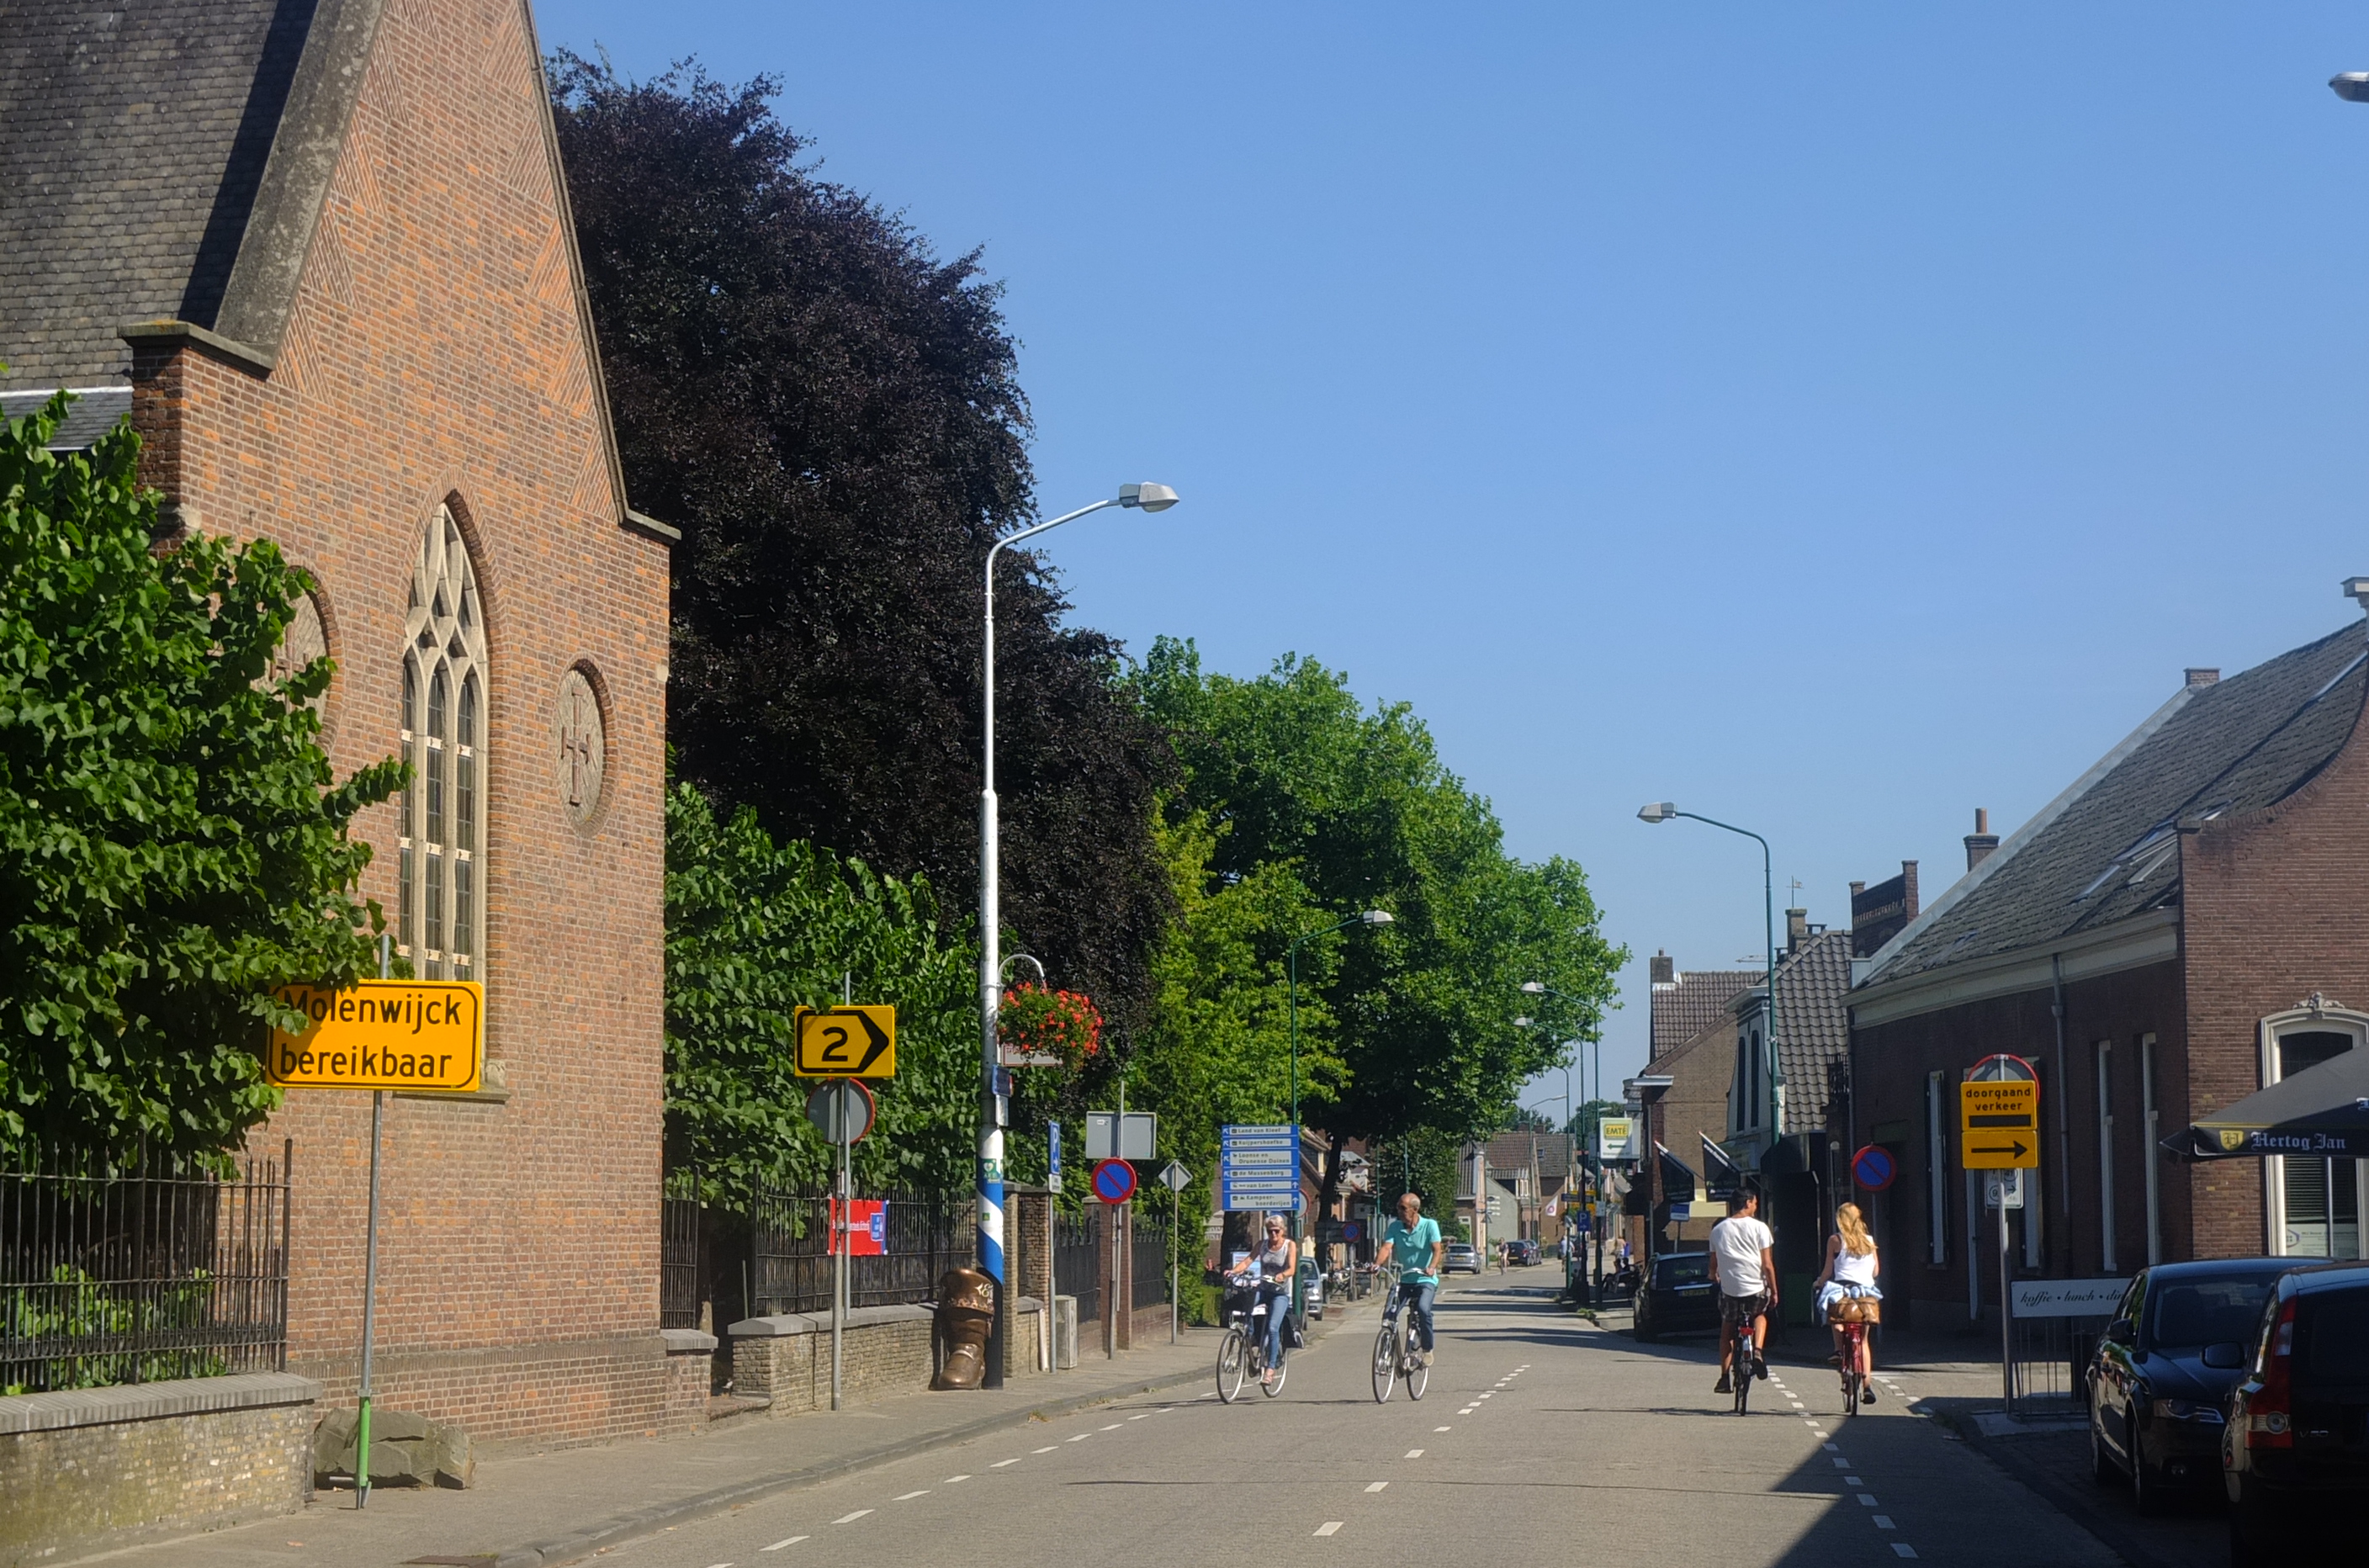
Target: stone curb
[{"x": 575, "y": 1544}]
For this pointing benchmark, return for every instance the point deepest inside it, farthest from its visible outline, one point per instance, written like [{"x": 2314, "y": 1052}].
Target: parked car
[
  {"x": 2179, "y": 1342},
  {"x": 1312, "y": 1288},
  {"x": 1680, "y": 1297},
  {"x": 1522, "y": 1251},
  {"x": 1462, "y": 1258},
  {"x": 2294, "y": 1442}
]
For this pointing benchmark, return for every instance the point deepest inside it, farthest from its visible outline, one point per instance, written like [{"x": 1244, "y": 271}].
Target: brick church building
[{"x": 319, "y": 251}]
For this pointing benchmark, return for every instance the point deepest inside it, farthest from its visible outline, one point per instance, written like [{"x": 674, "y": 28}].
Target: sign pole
[
  {"x": 370, "y": 1272},
  {"x": 839, "y": 1243},
  {"x": 1175, "y": 1200},
  {"x": 2007, "y": 1345}
]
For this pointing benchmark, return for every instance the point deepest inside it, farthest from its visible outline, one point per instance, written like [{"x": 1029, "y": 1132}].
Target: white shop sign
[{"x": 2067, "y": 1298}]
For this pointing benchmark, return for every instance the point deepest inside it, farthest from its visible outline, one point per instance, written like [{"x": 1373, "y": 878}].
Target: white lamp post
[{"x": 990, "y": 1176}]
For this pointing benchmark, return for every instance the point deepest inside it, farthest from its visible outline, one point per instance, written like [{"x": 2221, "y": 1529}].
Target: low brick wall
[
  {"x": 97, "y": 1469},
  {"x": 886, "y": 1351},
  {"x": 556, "y": 1392}
]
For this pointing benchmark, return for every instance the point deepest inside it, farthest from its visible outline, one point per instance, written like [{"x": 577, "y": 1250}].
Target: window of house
[
  {"x": 440, "y": 865},
  {"x": 2318, "y": 1201}
]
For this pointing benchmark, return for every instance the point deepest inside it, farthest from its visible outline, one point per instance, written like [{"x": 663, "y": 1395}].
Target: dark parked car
[
  {"x": 2294, "y": 1449},
  {"x": 2179, "y": 1342},
  {"x": 1521, "y": 1252},
  {"x": 1680, "y": 1297}
]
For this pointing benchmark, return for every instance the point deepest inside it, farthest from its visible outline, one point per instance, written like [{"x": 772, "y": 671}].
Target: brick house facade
[
  {"x": 321, "y": 256},
  {"x": 2180, "y": 927}
]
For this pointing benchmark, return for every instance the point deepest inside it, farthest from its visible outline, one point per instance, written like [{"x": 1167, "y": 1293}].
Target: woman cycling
[
  {"x": 1850, "y": 1271},
  {"x": 1270, "y": 1269}
]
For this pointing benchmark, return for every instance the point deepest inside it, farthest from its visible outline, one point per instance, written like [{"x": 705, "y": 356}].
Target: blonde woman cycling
[{"x": 1851, "y": 1268}]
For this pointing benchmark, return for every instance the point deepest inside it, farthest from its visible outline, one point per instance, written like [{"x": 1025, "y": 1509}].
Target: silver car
[{"x": 1461, "y": 1256}]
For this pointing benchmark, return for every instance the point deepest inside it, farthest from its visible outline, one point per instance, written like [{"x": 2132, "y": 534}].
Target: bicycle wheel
[
  {"x": 1282, "y": 1370},
  {"x": 1742, "y": 1361},
  {"x": 1386, "y": 1361},
  {"x": 1418, "y": 1377},
  {"x": 1850, "y": 1393},
  {"x": 1233, "y": 1364}
]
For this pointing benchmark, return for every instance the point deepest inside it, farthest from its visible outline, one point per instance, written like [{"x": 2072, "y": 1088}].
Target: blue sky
[{"x": 1830, "y": 418}]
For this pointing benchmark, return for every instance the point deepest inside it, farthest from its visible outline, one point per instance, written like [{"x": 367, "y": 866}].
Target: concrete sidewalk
[{"x": 536, "y": 1510}]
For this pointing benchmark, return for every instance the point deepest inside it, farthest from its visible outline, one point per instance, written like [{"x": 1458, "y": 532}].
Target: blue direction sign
[
  {"x": 1114, "y": 1181},
  {"x": 1258, "y": 1166}
]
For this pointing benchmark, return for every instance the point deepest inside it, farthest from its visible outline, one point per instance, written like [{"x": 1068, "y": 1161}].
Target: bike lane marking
[
  {"x": 1328, "y": 1527},
  {"x": 778, "y": 1546}
]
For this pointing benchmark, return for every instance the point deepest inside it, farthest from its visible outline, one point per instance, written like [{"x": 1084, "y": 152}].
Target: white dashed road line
[
  {"x": 1414, "y": 1453},
  {"x": 1375, "y": 1485},
  {"x": 1328, "y": 1527},
  {"x": 908, "y": 1497},
  {"x": 851, "y": 1518},
  {"x": 778, "y": 1546},
  {"x": 1001, "y": 1463}
]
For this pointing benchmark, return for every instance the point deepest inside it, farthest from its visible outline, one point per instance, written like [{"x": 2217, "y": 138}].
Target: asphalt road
[{"x": 1539, "y": 1432}]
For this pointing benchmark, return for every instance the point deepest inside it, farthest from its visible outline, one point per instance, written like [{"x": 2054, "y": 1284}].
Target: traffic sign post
[
  {"x": 842, "y": 1108},
  {"x": 845, "y": 1042},
  {"x": 1114, "y": 1181},
  {"x": 1175, "y": 1178},
  {"x": 1258, "y": 1167},
  {"x": 1873, "y": 1168},
  {"x": 1998, "y": 1133}
]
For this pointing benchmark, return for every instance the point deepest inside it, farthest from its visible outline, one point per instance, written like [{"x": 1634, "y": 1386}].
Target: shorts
[{"x": 1734, "y": 1309}]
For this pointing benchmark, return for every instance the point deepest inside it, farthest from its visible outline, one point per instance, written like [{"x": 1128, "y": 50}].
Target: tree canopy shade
[
  {"x": 1289, "y": 770},
  {"x": 173, "y": 846},
  {"x": 757, "y": 929},
  {"x": 830, "y": 412}
]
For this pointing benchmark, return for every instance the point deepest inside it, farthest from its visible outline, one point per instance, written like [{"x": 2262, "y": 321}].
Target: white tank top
[{"x": 1854, "y": 1268}]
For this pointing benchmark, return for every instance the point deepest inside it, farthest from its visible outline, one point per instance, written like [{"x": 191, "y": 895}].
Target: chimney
[
  {"x": 1797, "y": 929},
  {"x": 1665, "y": 970},
  {"x": 1857, "y": 889},
  {"x": 1981, "y": 841},
  {"x": 2201, "y": 677},
  {"x": 1908, "y": 887}
]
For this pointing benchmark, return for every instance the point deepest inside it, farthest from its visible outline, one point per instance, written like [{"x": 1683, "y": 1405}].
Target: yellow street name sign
[
  {"x": 847, "y": 1042},
  {"x": 1998, "y": 1124},
  {"x": 411, "y": 1035}
]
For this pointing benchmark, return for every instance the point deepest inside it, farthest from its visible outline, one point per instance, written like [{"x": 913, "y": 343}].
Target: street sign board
[
  {"x": 1998, "y": 1124},
  {"x": 415, "y": 1035},
  {"x": 2003, "y": 1189},
  {"x": 862, "y": 1224},
  {"x": 1114, "y": 1181},
  {"x": 1137, "y": 1133},
  {"x": 846, "y": 1042},
  {"x": 2066, "y": 1298},
  {"x": 1353, "y": 1229},
  {"x": 1873, "y": 1168},
  {"x": 1053, "y": 1165},
  {"x": 1615, "y": 1137},
  {"x": 1176, "y": 1177},
  {"x": 1258, "y": 1166},
  {"x": 842, "y": 1109}
]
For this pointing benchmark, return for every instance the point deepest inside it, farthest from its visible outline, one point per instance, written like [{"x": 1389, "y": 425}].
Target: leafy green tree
[
  {"x": 756, "y": 929},
  {"x": 173, "y": 844},
  {"x": 1360, "y": 809},
  {"x": 830, "y": 413}
]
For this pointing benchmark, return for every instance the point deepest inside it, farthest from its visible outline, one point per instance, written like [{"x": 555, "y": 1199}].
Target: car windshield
[
  {"x": 1687, "y": 1268},
  {"x": 2208, "y": 1311}
]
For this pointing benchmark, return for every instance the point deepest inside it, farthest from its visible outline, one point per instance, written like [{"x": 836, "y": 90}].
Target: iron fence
[
  {"x": 678, "y": 1282},
  {"x": 139, "y": 1272},
  {"x": 1078, "y": 1249},
  {"x": 1149, "y": 1247},
  {"x": 2051, "y": 1355},
  {"x": 926, "y": 1234}
]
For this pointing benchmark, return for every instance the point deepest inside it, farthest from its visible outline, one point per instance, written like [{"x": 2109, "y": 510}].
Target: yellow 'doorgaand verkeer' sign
[{"x": 411, "y": 1035}]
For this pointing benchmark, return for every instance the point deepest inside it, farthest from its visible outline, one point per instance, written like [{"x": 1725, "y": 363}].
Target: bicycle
[
  {"x": 1854, "y": 1352},
  {"x": 1395, "y": 1354},
  {"x": 1242, "y": 1352},
  {"x": 1742, "y": 1358}
]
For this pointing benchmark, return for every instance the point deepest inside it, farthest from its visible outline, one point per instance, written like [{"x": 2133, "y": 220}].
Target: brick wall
[
  {"x": 437, "y": 357},
  {"x": 1889, "y": 1066},
  {"x": 2275, "y": 905},
  {"x": 99, "y": 1468}
]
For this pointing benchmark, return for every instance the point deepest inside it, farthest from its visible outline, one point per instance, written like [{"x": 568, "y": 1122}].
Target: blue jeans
[
  {"x": 1417, "y": 1294},
  {"x": 1278, "y": 1302}
]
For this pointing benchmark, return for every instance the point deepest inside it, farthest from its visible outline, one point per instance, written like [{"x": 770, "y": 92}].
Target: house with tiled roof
[
  {"x": 319, "y": 255},
  {"x": 1684, "y": 1002},
  {"x": 2185, "y": 922}
]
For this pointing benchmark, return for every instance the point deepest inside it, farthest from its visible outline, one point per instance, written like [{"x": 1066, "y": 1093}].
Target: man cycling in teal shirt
[{"x": 1413, "y": 1244}]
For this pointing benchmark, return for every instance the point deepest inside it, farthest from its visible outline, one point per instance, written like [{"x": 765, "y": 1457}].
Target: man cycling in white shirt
[{"x": 1744, "y": 1267}]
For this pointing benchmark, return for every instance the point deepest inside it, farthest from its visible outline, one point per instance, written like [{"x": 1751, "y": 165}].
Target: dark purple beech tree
[{"x": 830, "y": 413}]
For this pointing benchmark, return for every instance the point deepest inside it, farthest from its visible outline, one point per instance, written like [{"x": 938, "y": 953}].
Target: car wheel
[{"x": 2146, "y": 1481}]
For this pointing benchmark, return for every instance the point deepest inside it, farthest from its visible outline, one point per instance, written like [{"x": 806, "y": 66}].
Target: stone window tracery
[{"x": 440, "y": 865}]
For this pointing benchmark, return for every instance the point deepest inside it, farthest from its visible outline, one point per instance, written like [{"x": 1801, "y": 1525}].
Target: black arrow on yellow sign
[{"x": 2015, "y": 1150}]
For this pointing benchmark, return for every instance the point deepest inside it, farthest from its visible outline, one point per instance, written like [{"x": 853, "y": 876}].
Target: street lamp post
[
  {"x": 1662, "y": 811},
  {"x": 990, "y": 1175}
]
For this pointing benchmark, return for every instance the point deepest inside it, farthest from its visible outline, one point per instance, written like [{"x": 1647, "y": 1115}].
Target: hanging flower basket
[{"x": 1039, "y": 1028}]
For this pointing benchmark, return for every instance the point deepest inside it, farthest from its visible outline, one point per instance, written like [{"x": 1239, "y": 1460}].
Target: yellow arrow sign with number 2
[{"x": 847, "y": 1042}]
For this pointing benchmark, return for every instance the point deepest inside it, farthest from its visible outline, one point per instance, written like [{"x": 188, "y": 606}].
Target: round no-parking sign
[
  {"x": 1114, "y": 1181},
  {"x": 1873, "y": 1168}
]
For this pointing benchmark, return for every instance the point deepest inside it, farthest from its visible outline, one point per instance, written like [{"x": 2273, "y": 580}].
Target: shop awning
[{"x": 2320, "y": 1112}]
